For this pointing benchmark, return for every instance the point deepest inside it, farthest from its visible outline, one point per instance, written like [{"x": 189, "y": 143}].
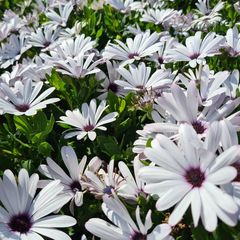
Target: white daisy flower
[
  {"x": 190, "y": 176},
  {"x": 109, "y": 83},
  {"x": 70, "y": 48},
  {"x": 104, "y": 183},
  {"x": 73, "y": 182},
  {"x": 207, "y": 15},
  {"x": 133, "y": 184},
  {"x": 197, "y": 49},
  {"x": 138, "y": 78},
  {"x": 13, "y": 50},
  {"x": 210, "y": 84},
  {"x": 61, "y": 18},
  {"x": 135, "y": 49},
  {"x": 125, "y": 5},
  {"x": 183, "y": 107},
  {"x": 26, "y": 217},
  {"x": 233, "y": 42},
  {"x": 158, "y": 16},
  {"x": 79, "y": 67},
  {"x": 88, "y": 121},
  {"x": 45, "y": 38},
  {"x": 24, "y": 99},
  {"x": 124, "y": 227}
]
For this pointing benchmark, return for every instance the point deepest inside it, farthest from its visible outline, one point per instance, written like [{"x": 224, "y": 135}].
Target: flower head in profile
[
  {"x": 24, "y": 99},
  {"x": 143, "y": 44},
  {"x": 73, "y": 182},
  {"x": 88, "y": 120},
  {"x": 125, "y": 5},
  {"x": 207, "y": 16},
  {"x": 197, "y": 49},
  {"x": 104, "y": 182},
  {"x": 124, "y": 227},
  {"x": 232, "y": 45},
  {"x": 25, "y": 216},
  {"x": 61, "y": 18},
  {"x": 188, "y": 175},
  {"x": 138, "y": 78}
]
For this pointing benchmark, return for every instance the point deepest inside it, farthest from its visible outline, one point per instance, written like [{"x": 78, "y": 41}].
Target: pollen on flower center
[
  {"x": 194, "y": 56},
  {"x": 133, "y": 55},
  {"x": 113, "y": 87},
  {"x": 22, "y": 107},
  {"x": 88, "y": 128},
  {"x": 195, "y": 177},
  {"x": 20, "y": 223},
  {"x": 237, "y": 167},
  {"x": 139, "y": 236},
  {"x": 76, "y": 186},
  {"x": 199, "y": 127}
]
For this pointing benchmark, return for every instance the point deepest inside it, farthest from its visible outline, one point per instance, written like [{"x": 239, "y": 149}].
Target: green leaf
[{"x": 45, "y": 149}]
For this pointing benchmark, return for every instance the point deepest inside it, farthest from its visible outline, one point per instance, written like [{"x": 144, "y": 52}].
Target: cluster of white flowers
[{"x": 188, "y": 156}]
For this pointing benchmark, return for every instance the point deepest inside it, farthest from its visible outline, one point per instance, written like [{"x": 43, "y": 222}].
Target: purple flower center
[
  {"x": 133, "y": 55},
  {"x": 88, "y": 128},
  {"x": 237, "y": 166},
  {"x": 113, "y": 87},
  {"x": 46, "y": 44},
  {"x": 195, "y": 177},
  {"x": 108, "y": 190},
  {"x": 160, "y": 60},
  {"x": 194, "y": 56},
  {"x": 22, "y": 107},
  {"x": 20, "y": 223},
  {"x": 199, "y": 127},
  {"x": 76, "y": 186},
  {"x": 139, "y": 236}
]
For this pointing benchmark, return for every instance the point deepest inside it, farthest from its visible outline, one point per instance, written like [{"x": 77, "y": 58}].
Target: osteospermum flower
[
  {"x": 189, "y": 175},
  {"x": 73, "y": 182},
  {"x": 24, "y": 216},
  {"x": 45, "y": 38},
  {"x": 70, "y": 48},
  {"x": 233, "y": 42},
  {"x": 88, "y": 121},
  {"x": 143, "y": 44},
  {"x": 24, "y": 98},
  {"x": 124, "y": 227},
  {"x": 183, "y": 107},
  {"x": 207, "y": 16},
  {"x": 104, "y": 183},
  {"x": 157, "y": 16},
  {"x": 138, "y": 78},
  {"x": 61, "y": 18},
  {"x": 79, "y": 67},
  {"x": 197, "y": 49},
  {"x": 125, "y": 5}
]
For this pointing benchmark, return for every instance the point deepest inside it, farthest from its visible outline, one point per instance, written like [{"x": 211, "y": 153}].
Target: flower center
[
  {"x": 195, "y": 177},
  {"x": 88, "y": 128},
  {"x": 76, "y": 186},
  {"x": 108, "y": 190},
  {"x": 199, "y": 127},
  {"x": 22, "y": 107},
  {"x": 237, "y": 166},
  {"x": 160, "y": 60},
  {"x": 113, "y": 87},
  {"x": 133, "y": 55},
  {"x": 46, "y": 44},
  {"x": 194, "y": 56},
  {"x": 20, "y": 223},
  {"x": 139, "y": 236}
]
